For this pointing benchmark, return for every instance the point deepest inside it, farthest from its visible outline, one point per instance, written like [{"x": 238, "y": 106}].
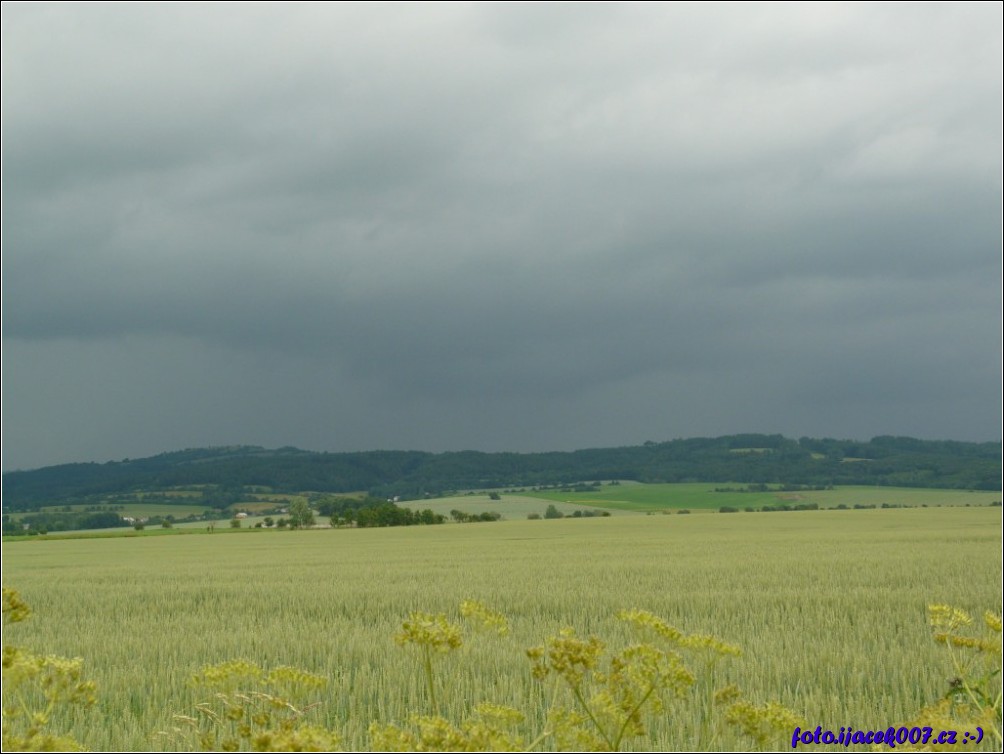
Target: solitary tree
[{"x": 300, "y": 515}]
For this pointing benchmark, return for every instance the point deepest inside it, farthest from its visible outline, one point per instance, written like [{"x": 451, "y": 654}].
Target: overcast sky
[{"x": 497, "y": 227}]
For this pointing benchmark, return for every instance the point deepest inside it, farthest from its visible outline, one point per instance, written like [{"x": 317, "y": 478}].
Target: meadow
[{"x": 829, "y": 608}]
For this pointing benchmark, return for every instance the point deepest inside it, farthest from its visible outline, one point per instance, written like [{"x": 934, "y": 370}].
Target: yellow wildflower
[
  {"x": 428, "y": 630},
  {"x": 947, "y": 617},
  {"x": 485, "y": 619}
]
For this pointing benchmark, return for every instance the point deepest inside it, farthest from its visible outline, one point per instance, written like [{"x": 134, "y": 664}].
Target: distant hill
[{"x": 747, "y": 459}]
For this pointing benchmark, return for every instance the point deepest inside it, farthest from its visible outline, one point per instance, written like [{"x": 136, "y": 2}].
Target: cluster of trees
[
  {"x": 220, "y": 496},
  {"x": 301, "y": 516},
  {"x": 774, "y": 508},
  {"x": 747, "y": 459},
  {"x": 761, "y": 487},
  {"x": 372, "y": 511},
  {"x": 389, "y": 514},
  {"x": 553, "y": 512},
  {"x": 469, "y": 518},
  {"x": 64, "y": 521},
  {"x": 345, "y": 508}
]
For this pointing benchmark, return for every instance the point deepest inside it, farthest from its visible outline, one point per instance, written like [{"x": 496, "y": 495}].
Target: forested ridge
[{"x": 747, "y": 459}]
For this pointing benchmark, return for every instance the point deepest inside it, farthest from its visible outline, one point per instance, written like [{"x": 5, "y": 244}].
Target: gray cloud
[{"x": 400, "y": 226}]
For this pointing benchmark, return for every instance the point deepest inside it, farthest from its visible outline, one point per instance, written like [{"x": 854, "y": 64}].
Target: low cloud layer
[{"x": 495, "y": 226}]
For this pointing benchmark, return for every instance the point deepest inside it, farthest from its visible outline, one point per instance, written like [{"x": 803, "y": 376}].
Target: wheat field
[{"x": 829, "y": 608}]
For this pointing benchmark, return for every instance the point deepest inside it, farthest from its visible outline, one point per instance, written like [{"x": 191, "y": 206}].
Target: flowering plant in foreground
[
  {"x": 254, "y": 709},
  {"x": 34, "y": 687},
  {"x": 973, "y": 698},
  {"x": 598, "y": 697}
]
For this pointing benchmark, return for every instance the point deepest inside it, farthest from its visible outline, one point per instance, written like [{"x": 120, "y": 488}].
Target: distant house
[{"x": 242, "y": 514}]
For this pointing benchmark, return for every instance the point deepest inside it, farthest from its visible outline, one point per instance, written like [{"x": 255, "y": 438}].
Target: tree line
[{"x": 744, "y": 459}]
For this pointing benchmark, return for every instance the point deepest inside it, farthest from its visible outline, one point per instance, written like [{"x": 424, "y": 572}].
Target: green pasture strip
[
  {"x": 512, "y": 507},
  {"x": 146, "y": 510},
  {"x": 224, "y": 523},
  {"x": 278, "y": 498},
  {"x": 132, "y": 509},
  {"x": 648, "y": 497},
  {"x": 118, "y": 532},
  {"x": 257, "y": 507},
  {"x": 172, "y": 493},
  {"x": 829, "y": 608},
  {"x": 152, "y": 530}
]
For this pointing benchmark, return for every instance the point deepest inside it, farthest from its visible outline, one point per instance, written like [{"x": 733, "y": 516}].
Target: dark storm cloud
[{"x": 396, "y": 226}]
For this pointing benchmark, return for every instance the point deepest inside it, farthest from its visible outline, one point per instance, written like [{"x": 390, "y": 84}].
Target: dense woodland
[{"x": 746, "y": 459}]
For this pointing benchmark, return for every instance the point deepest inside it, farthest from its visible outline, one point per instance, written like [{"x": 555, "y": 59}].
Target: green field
[
  {"x": 626, "y": 497},
  {"x": 512, "y": 507},
  {"x": 135, "y": 510},
  {"x": 629, "y": 496},
  {"x": 828, "y": 606}
]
